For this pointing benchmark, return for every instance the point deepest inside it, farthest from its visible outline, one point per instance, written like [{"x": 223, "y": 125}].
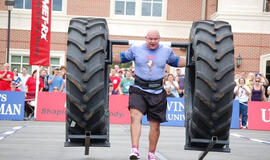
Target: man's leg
[
  {"x": 153, "y": 135},
  {"x": 135, "y": 126}
]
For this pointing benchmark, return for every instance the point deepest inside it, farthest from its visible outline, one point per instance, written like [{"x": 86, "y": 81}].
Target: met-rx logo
[{"x": 45, "y": 18}]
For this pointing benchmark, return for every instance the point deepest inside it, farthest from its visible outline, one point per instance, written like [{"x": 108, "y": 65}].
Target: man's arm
[
  {"x": 51, "y": 80},
  {"x": 2, "y": 75}
]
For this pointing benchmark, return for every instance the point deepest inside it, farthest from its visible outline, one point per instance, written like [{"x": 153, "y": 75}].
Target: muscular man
[
  {"x": 6, "y": 77},
  {"x": 147, "y": 95}
]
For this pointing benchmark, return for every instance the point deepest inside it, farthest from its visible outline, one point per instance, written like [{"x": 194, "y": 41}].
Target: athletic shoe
[
  {"x": 134, "y": 155},
  {"x": 152, "y": 156}
]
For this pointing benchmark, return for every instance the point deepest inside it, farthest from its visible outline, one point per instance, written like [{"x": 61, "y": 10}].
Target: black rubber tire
[
  {"x": 86, "y": 80},
  {"x": 211, "y": 82}
]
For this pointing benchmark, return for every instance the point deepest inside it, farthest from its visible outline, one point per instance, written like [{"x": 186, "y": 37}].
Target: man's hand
[
  {"x": 182, "y": 62},
  {"x": 3, "y": 75}
]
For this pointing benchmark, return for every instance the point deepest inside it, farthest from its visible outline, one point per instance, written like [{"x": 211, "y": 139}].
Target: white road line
[
  {"x": 251, "y": 139},
  {"x": 10, "y": 131}
]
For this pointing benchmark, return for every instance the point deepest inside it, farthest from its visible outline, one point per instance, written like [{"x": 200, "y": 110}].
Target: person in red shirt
[
  {"x": 6, "y": 77},
  {"x": 31, "y": 85},
  {"x": 115, "y": 81}
]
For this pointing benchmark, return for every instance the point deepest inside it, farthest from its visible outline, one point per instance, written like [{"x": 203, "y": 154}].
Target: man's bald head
[
  {"x": 152, "y": 39},
  {"x": 151, "y": 33}
]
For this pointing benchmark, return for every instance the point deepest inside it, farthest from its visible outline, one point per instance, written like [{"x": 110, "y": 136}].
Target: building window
[
  {"x": 20, "y": 61},
  {"x": 267, "y": 6},
  {"x": 57, "y": 5},
  {"x": 152, "y": 8},
  {"x": 27, "y": 4},
  {"x": 139, "y": 9},
  {"x": 125, "y": 7}
]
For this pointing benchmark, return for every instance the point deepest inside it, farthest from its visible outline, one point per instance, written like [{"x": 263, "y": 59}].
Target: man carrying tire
[{"x": 147, "y": 95}]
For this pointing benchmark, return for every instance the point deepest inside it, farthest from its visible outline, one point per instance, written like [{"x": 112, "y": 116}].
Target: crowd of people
[
  {"x": 12, "y": 80},
  {"x": 122, "y": 78},
  {"x": 251, "y": 87},
  {"x": 15, "y": 81}
]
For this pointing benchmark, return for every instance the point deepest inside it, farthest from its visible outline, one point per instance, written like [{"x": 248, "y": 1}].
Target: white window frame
[
  {"x": 63, "y": 12},
  {"x": 138, "y": 12},
  {"x": 125, "y": 9},
  {"x": 265, "y": 7},
  {"x": 152, "y": 5},
  {"x": 24, "y": 52}
]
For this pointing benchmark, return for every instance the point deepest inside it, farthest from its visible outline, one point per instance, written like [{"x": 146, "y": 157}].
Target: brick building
[{"x": 131, "y": 19}]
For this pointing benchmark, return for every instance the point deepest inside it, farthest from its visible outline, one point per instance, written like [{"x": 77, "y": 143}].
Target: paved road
[{"x": 45, "y": 141}]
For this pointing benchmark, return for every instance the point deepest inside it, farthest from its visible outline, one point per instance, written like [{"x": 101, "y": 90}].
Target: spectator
[
  {"x": 121, "y": 73},
  {"x": 171, "y": 86},
  {"x": 116, "y": 67},
  {"x": 56, "y": 80},
  {"x": 243, "y": 75},
  {"x": 126, "y": 83},
  {"x": 24, "y": 76},
  {"x": 264, "y": 80},
  {"x": 180, "y": 79},
  {"x": 14, "y": 87},
  {"x": 250, "y": 80},
  {"x": 165, "y": 79},
  {"x": 257, "y": 91},
  {"x": 6, "y": 77},
  {"x": 268, "y": 93},
  {"x": 242, "y": 92},
  {"x": 236, "y": 78},
  {"x": 115, "y": 81},
  {"x": 63, "y": 75},
  {"x": 44, "y": 76},
  {"x": 17, "y": 80},
  {"x": 55, "y": 89},
  {"x": 31, "y": 86}
]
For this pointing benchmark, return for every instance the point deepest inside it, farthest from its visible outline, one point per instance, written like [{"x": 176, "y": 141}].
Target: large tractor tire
[
  {"x": 210, "y": 83},
  {"x": 87, "y": 96}
]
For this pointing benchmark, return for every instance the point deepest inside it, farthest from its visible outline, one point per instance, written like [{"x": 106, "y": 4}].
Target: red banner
[
  {"x": 259, "y": 115},
  {"x": 51, "y": 106},
  {"x": 119, "y": 113},
  {"x": 40, "y": 33}
]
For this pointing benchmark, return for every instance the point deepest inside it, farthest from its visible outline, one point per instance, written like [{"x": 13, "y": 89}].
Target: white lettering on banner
[
  {"x": 178, "y": 106},
  {"x": 3, "y": 97},
  {"x": 173, "y": 117},
  {"x": 45, "y": 18},
  {"x": 7, "y": 109},
  {"x": 264, "y": 115}
]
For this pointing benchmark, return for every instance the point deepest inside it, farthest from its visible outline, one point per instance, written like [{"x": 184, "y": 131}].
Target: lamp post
[
  {"x": 239, "y": 61},
  {"x": 10, "y": 4}
]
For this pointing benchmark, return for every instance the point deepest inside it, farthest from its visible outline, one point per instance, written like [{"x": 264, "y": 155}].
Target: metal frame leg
[{"x": 87, "y": 142}]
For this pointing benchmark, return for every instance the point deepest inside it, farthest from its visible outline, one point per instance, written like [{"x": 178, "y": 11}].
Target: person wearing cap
[
  {"x": 56, "y": 80},
  {"x": 6, "y": 77},
  {"x": 147, "y": 95}
]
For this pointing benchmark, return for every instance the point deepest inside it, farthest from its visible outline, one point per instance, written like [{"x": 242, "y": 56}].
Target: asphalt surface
[{"x": 24, "y": 140}]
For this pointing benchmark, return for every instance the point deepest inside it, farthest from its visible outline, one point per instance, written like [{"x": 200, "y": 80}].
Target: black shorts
[{"x": 154, "y": 105}]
